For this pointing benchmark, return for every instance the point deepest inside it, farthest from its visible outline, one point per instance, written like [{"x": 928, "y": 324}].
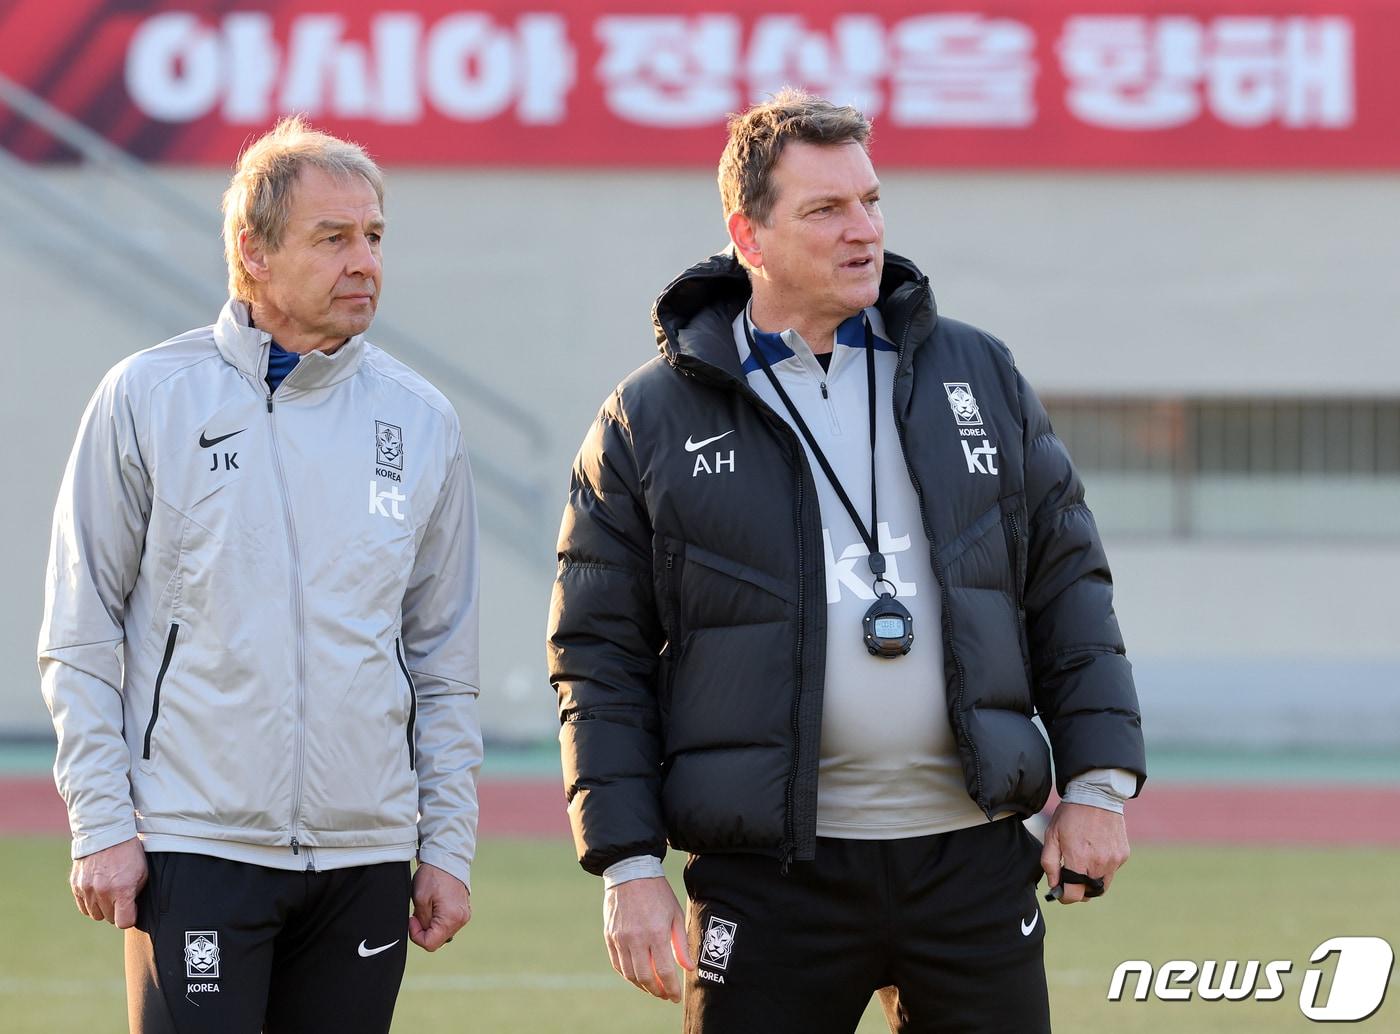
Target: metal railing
[
  {"x": 1248, "y": 467},
  {"x": 98, "y": 249}
]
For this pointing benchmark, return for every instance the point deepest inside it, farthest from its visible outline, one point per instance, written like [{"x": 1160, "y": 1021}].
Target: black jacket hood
[{"x": 694, "y": 312}]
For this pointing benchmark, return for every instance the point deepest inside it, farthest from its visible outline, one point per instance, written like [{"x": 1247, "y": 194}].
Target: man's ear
[
  {"x": 742, "y": 233},
  {"x": 253, "y": 255}
]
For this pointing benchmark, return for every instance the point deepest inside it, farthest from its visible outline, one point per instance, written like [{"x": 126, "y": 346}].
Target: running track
[{"x": 1220, "y": 814}]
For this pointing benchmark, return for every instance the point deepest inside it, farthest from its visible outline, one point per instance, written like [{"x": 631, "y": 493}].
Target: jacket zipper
[
  {"x": 832, "y": 418},
  {"x": 297, "y": 607},
  {"x": 1019, "y": 580},
  {"x": 1016, "y": 559},
  {"x": 790, "y": 791},
  {"x": 412, "y": 700},
  {"x": 933, "y": 558},
  {"x": 160, "y": 678},
  {"x": 674, "y": 591}
]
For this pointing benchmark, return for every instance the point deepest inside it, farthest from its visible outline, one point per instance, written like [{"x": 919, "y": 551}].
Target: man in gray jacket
[{"x": 259, "y": 643}]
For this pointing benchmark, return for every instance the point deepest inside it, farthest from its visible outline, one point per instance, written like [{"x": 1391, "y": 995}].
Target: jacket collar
[
  {"x": 246, "y": 348},
  {"x": 694, "y": 316}
]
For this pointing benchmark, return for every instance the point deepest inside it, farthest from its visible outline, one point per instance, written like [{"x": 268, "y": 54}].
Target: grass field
[{"x": 532, "y": 961}]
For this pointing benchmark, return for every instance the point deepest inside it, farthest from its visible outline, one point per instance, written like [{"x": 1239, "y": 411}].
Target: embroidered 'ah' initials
[{"x": 724, "y": 464}]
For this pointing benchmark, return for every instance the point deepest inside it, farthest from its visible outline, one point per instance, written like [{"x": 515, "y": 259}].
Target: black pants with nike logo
[
  {"x": 946, "y": 929},
  {"x": 223, "y": 947}
]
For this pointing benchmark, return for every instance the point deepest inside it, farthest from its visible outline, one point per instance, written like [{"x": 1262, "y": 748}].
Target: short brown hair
[
  {"x": 757, "y": 138},
  {"x": 259, "y": 197}
]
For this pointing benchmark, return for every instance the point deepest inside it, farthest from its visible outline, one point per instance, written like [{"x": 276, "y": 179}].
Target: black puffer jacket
[{"x": 688, "y": 624}]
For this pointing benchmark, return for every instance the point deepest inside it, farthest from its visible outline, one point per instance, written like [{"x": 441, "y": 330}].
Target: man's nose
[
  {"x": 861, "y": 226},
  {"x": 363, "y": 260}
]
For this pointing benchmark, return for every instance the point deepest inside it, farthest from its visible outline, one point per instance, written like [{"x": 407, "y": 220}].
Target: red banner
[{"x": 1036, "y": 83}]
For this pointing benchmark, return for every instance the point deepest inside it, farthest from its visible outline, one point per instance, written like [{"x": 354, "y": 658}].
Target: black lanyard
[{"x": 876, "y": 558}]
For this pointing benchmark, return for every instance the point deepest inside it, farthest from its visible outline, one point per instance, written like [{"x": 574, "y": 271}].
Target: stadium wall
[{"x": 1103, "y": 285}]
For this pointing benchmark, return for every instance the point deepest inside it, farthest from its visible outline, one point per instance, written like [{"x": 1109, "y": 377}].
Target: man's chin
[
  {"x": 349, "y": 326},
  {"x": 858, "y": 299}
]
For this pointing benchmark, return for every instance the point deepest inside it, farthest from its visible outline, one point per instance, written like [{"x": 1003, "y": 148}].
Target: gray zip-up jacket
[{"x": 260, "y": 630}]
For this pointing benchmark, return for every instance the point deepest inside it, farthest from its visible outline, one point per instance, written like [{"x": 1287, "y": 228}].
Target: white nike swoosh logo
[
  {"x": 1026, "y": 927},
  {"x": 367, "y": 952},
  {"x": 691, "y": 446}
]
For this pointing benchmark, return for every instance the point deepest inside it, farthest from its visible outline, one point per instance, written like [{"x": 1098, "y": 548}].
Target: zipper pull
[
  {"x": 670, "y": 561},
  {"x": 824, "y": 394},
  {"x": 269, "y": 402},
  {"x": 296, "y": 847}
]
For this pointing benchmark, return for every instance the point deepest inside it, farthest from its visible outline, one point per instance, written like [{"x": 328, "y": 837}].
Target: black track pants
[
  {"x": 945, "y": 928},
  {"x": 222, "y": 947}
]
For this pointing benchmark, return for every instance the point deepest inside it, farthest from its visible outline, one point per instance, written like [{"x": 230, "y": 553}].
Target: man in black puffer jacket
[{"x": 822, "y": 561}]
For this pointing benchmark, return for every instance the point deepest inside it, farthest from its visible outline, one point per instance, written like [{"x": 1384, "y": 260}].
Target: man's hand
[
  {"x": 442, "y": 905},
  {"x": 105, "y": 884},
  {"x": 644, "y": 928},
  {"x": 1090, "y": 840}
]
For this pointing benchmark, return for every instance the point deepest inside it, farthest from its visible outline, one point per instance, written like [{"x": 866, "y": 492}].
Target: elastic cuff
[
  {"x": 1117, "y": 781},
  {"x": 640, "y": 867},
  {"x": 85, "y": 844},
  {"x": 1093, "y": 796}
]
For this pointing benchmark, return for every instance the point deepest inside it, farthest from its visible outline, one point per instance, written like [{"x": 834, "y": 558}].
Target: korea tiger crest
[
  {"x": 388, "y": 444},
  {"x": 964, "y": 403},
  {"x": 201, "y": 953},
  {"x": 719, "y": 942}
]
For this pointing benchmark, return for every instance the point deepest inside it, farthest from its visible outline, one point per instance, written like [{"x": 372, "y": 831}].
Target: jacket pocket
[
  {"x": 155, "y": 696},
  {"x": 665, "y": 678},
  {"x": 1012, "y": 524},
  {"x": 412, "y": 699},
  {"x": 671, "y": 575},
  {"x": 741, "y": 572}
]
